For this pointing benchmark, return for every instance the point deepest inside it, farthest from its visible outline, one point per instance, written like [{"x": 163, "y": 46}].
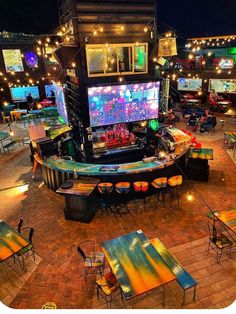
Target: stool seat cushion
[
  {"x": 159, "y": 183},
  {"x": 105, "y": 187},
  {"x": 175, "y": 180},
  {"x": 122, "y": 187},
  {"x": 108, "y": 283},
  {"x": 140, "y": 186}
]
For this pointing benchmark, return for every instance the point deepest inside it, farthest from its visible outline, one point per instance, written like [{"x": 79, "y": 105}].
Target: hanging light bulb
[{"x": 145, "y": 29}]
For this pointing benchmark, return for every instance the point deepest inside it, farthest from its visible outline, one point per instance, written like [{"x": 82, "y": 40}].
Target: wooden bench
[
  {"x": 183, "y": 278},
  {"x": 12, "y": 143}
]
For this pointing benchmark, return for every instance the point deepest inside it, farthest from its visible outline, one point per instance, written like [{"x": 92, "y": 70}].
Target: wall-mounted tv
[
  {"x": 185, "y": 84},
  {"x": 60, "y": 101},
  {"x": 19, "y": 94},
  {"x": 123, "y": 103},
  {"x": 222, "y": 86},
  {"x": 49, "y": 89}
]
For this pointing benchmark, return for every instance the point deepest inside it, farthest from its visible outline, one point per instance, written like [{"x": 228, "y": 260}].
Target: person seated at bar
[
  {"x": 192, "y": 119},
  {"x": 150, "y": 149}
]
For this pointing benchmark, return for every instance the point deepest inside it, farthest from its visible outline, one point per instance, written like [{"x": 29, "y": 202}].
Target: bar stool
[
  {"x": 105, "y": 189},
  {"x": 174, "y": 182},
  {"x": 140, "y": 187},
  {"x": 160, "y": 184},
  {"x": 122, "y": 188}
]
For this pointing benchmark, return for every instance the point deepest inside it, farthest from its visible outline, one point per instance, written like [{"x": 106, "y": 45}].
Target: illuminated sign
[
  {"x": 226, "y": 63},
  {"x": 13, "y": 60}
]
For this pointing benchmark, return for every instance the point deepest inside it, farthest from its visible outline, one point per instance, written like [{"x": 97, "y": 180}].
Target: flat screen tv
[
  {"x": 193, "y": 85},
  {"x": 60, "y": 101},
  {"x": 49, "y": 89},
  {"x": 19, "y": 94},
  {"x": 123, "y": 103},
  {"x": 222, "y": 86}
]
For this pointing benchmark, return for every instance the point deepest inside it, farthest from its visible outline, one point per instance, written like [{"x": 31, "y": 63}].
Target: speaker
[{"x": 46, "y": 147}]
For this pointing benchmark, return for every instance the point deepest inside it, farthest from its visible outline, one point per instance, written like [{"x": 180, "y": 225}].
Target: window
[{"x": 107, "y": 60}]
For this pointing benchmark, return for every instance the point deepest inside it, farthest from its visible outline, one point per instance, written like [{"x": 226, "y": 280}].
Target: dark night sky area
[{"x": 188, "y": 17}]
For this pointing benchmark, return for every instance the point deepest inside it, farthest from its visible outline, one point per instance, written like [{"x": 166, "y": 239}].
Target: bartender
[{"x": 150, "y": 149}]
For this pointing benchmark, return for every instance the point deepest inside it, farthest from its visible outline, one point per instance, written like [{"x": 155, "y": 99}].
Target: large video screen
[
  {"x": 60, "y": 101},
  {"x": 19, "y": 94},
  {"x": 123, "y": 103},
  {"x": 49, "y": 89},
  {"x": 222, "y": 86},
  {"x": 13, "y": 60},
  {"x": 185, "y": 84}
]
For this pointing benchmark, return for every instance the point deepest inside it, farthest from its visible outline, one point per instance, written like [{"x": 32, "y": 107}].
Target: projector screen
[
  {"x": 19, "y": 94},
  {"x": 123, "y": 103},
  {"x": 193, "y": 85},
  {"x": 60, "y": 101},
  {"x": 222, "y": 86},
  {"x": 13, "y": 60}
]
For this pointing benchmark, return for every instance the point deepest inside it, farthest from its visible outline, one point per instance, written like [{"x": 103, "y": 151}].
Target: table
[
  {"x": 224, "y": 103},
  {"x": 136, "y": 264},
  {"x": 17, "y": 113},
  {"x": 11, "y": 242},
  {"x": 227, "y": 218},
  {"x": 197, "y": 167},
  {"x": 202, "y": 153},
  {"x": 3, "y": 136},
  {"x": 80, "y": 199},
  {"x": 230, "y": 137},
  {"x": 193, "y": 101}
]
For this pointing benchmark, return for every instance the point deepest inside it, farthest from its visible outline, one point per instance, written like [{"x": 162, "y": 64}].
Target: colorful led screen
[
  {"x": 19, "y": 94},
  {"x": 13, "y": 60},
  {"x": 60, "y": 101},
  {"x": 123, "y": 103}
]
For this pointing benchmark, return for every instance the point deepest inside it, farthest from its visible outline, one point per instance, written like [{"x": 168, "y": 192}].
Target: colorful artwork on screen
[
  {"x": 123, "y": 103},
  {"x": 185, "y": 84},
  {"x": 13, "y": 60},
  {"x": 60, "y": 101}
]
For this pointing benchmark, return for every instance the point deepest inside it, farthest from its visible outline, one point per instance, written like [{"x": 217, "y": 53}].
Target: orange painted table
[
  {"x": 11, "y": 242},
  {"x": 136, "y": 264}
]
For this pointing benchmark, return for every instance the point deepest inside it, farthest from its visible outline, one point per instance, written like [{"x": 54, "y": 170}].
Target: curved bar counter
[{"x": 56, "y": 171}]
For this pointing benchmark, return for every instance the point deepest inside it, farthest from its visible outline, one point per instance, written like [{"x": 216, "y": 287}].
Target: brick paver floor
[{"x": 59, "y": 275}]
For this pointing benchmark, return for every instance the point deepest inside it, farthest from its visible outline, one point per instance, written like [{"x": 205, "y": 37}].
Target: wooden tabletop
[
  {"x": 136, "y": 264},
  {"x": 11, "y": 241},
  {"x": 81, "y": 187}
]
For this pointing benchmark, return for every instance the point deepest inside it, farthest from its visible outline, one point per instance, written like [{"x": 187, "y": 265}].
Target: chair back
[
  {"x": 213, "y": 232},
  {"x": 31, "y": 233},
  {"x": 20, "y": 225},
  {"x": 81, "y": 252}
]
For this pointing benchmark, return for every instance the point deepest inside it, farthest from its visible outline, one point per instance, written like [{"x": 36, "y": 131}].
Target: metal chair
[
  {"x": 6, "y": 119},
  {"x": 93, "y": 261},
  {"x": 27, "y": 251},
  {"x": 20, "y": 225},
  {"x": 108, "y": 288},
  {"x": 218, "y": 241}
]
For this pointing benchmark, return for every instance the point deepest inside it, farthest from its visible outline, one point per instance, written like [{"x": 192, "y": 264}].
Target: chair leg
[{"x": 184, "y": 298}]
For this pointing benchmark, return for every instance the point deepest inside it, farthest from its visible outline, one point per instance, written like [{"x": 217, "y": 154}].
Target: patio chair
[
  {"x": 20, "y": 225},
  {"x": 93, "y": 261},
  {"x": 218, "y": 241},
  {"x": 27, "y": 251},
  {"x": 108, "y": 288}
]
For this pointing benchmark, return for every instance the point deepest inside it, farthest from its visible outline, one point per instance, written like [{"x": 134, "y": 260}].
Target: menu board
[
  {"x": 189, "y": 84},
  {"x": 222, "y": 86},
  {"x": 13, "y": 60}
]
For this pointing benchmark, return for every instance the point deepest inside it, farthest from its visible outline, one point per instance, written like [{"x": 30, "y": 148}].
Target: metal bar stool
[
  {"x": 122, "y": 188},
  {"x": 140, "y": 187},
  {"x": 105, "y": 189},
  {"x": 174, "y": 182},
  {"x": 160, "y": 184}
]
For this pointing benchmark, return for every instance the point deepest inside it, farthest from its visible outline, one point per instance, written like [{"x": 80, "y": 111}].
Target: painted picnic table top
[
  {"x": 3, "y": 135},
  {"x": 82, "y": 187},
  {"x": 136, "y": 264},
  {"x": 202, "y": 153},
  {"x": 181, "y": 274},
  {"x": 227, "y": 217},
  {"x": 231, "y": 136},
  {"x": 11, "y": 241}
]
